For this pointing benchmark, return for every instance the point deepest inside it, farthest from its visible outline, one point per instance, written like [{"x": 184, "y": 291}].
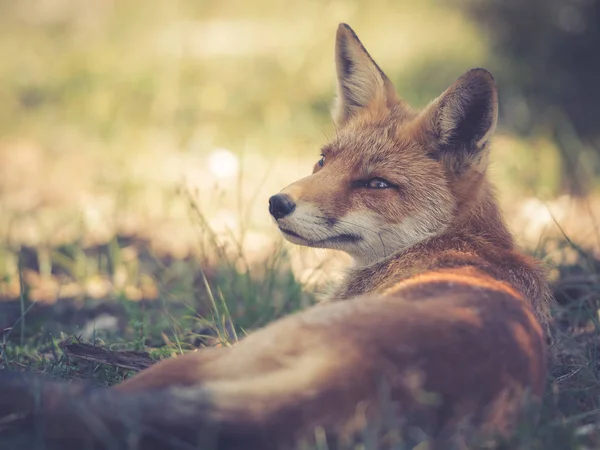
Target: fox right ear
[{"x": 361, "y": 83}]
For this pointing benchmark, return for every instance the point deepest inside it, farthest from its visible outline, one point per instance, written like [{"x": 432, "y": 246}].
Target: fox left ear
[
  {"x": 361, "y": 83},
  {"x": 463, "y": 119}
]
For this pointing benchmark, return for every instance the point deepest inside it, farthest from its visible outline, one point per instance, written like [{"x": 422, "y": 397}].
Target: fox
[{"x": 439, "y": 328}]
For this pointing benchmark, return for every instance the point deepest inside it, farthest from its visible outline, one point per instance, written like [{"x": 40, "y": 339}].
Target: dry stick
[{"x": 125, "y": 359}]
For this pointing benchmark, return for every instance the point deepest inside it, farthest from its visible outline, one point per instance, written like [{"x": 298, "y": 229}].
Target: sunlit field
[{"x": 140, "y": 142}]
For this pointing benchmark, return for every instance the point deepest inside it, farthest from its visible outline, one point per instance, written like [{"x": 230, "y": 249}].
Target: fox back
[{"x": 438, "y": 329}]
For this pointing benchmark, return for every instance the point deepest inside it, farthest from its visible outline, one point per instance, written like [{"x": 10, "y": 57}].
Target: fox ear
[
  {"x": 361, "y": 82},
  {"x": 463, "y": 120}
]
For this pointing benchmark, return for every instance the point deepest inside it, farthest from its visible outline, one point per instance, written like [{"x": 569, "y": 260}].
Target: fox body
[{"x": 440, "y": 311}]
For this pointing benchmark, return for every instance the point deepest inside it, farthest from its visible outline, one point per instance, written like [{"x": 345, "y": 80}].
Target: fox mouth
[{"x": 338, "y": 239}]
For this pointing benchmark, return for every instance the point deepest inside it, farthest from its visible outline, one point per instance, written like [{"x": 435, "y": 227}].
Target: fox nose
[{"x": 280, "y": 205}]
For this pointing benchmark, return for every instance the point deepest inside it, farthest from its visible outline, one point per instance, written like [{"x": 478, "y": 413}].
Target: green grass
[{"x": 200, "y": 305}]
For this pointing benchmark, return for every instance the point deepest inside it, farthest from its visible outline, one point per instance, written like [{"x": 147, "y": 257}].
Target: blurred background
[{"x": 140, "y": 140}]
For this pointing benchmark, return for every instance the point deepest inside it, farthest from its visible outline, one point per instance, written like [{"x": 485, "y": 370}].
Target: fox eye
[
  {"x": 377, "y": 183},
  {"x": 322, "y": 161}
]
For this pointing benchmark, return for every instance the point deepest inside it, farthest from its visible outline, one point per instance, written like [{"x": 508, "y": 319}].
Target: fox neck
[
  {"x": 478, "y": 221},
  {"x": 476, "y": 218},
  {"x": 478, "y": 238}
]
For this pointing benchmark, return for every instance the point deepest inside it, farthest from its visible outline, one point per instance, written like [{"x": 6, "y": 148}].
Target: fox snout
[{"x": 281, "y": 205}]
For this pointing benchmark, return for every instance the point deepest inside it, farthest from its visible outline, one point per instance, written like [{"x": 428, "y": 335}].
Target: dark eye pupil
[{"x": 322, "y": 161}]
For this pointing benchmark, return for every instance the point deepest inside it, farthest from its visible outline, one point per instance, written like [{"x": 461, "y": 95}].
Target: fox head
[{"x": 393, "y": 176}]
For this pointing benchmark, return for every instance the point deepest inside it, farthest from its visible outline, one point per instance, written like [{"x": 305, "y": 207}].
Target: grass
[{"x": 216, "y": 304}]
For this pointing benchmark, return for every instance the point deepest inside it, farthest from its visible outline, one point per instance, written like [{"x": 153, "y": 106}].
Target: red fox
[{"x": 440, "y": 324}]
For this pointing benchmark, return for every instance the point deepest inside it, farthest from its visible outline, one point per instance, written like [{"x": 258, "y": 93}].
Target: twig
[{"x": 125, "y": 359}]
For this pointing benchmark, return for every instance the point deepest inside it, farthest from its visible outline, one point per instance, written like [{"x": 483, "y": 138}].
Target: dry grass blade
[{"x": 124, "y": 359}]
